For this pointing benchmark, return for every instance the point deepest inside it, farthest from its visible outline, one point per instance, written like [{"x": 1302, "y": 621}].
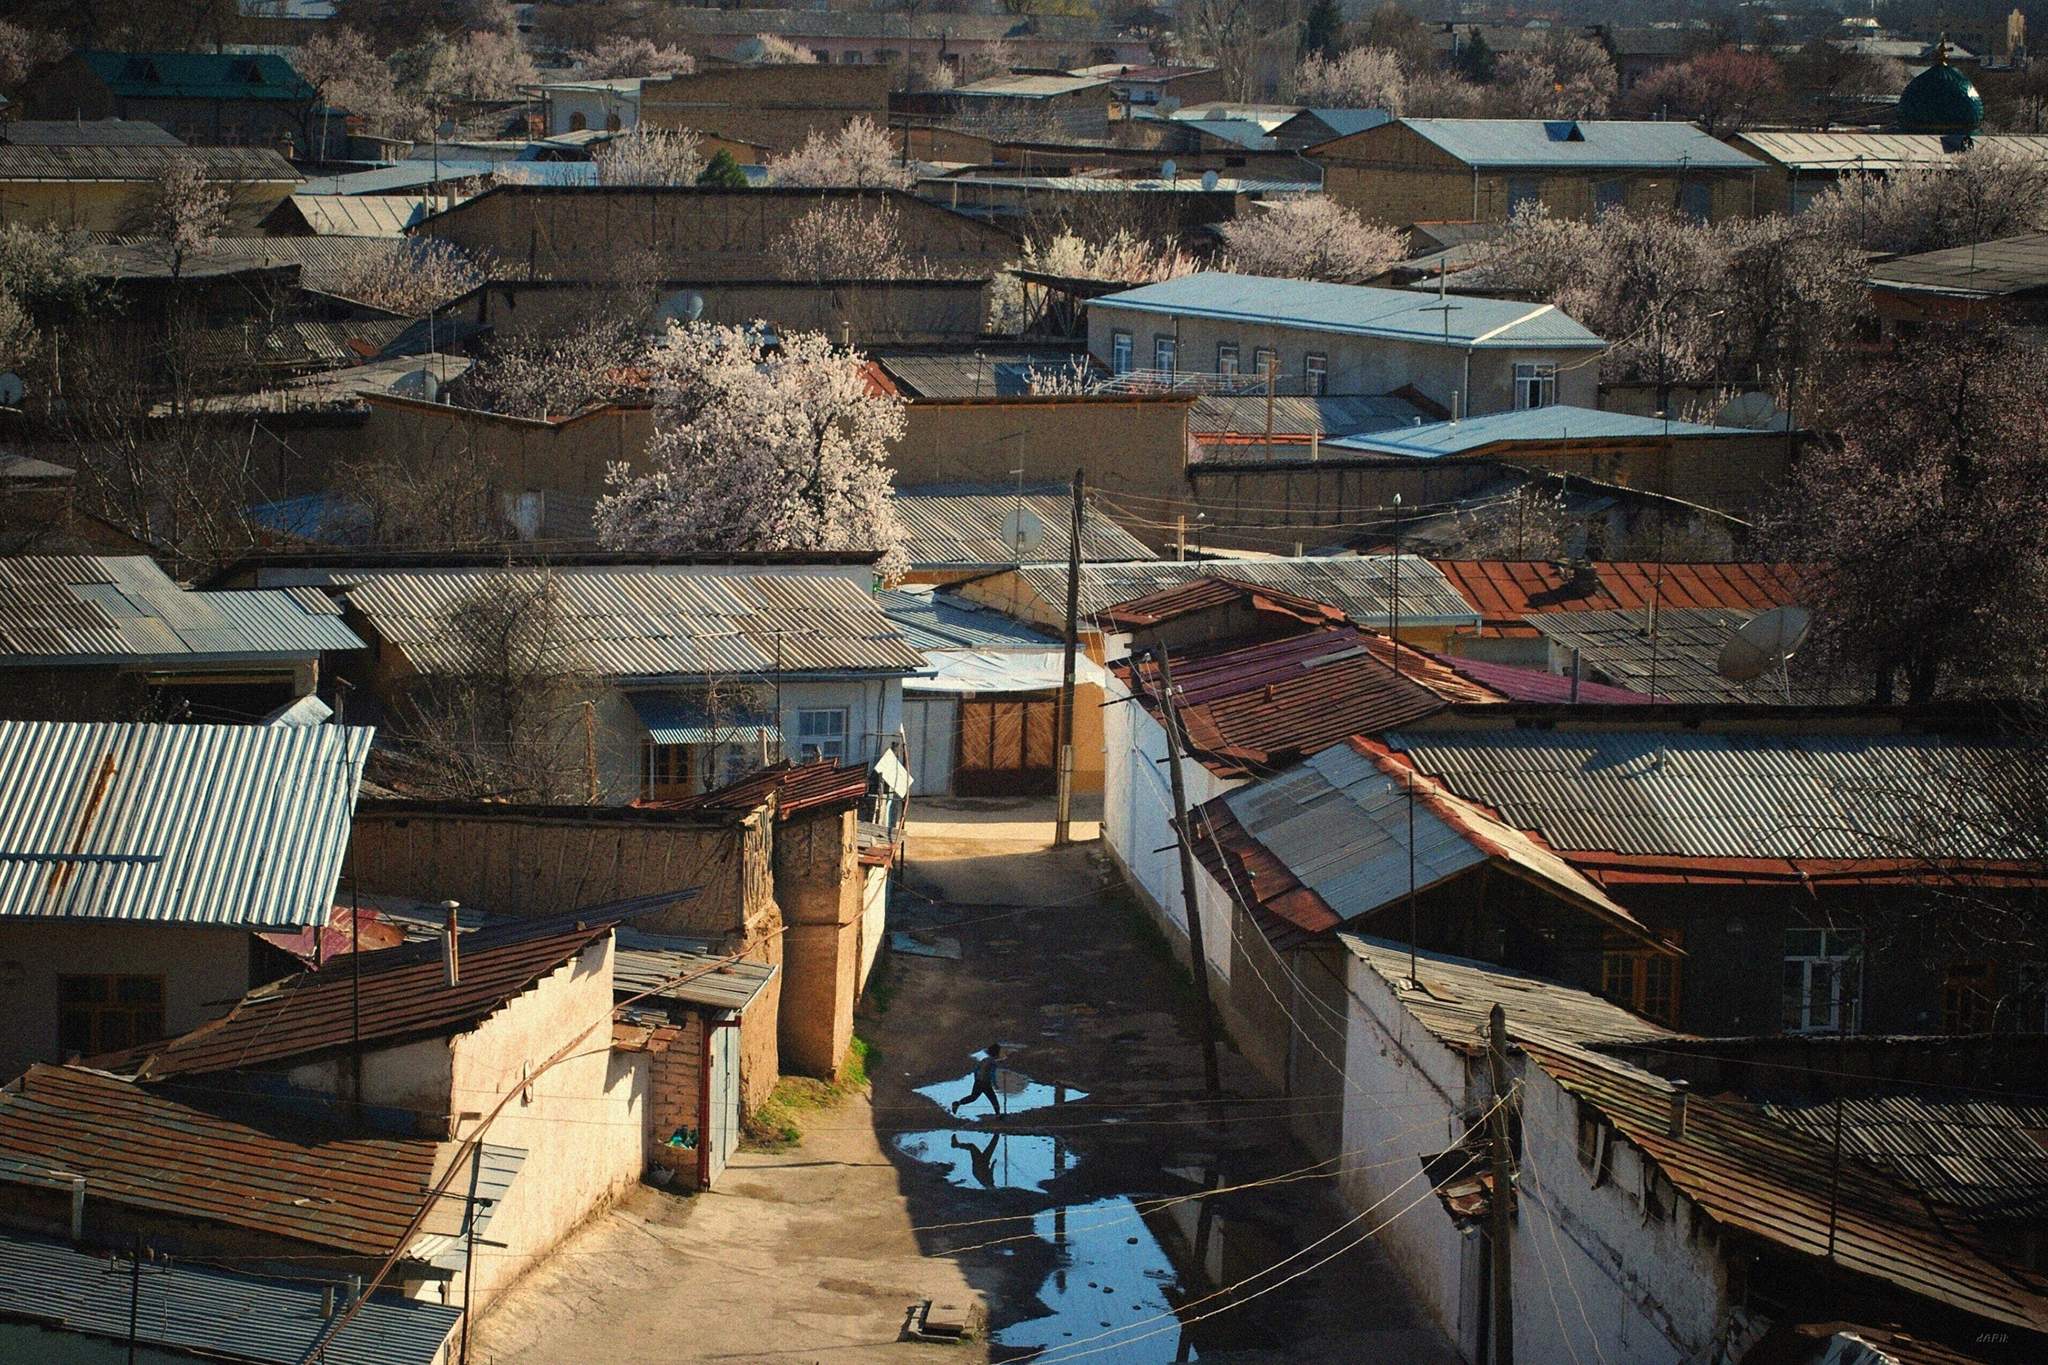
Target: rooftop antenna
[{"x": 1767, "y": 641}]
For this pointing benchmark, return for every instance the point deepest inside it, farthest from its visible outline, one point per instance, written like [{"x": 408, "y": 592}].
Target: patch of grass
[
  {"x": 778, "y": 1121},
  {"x": 881, "y": 986}
]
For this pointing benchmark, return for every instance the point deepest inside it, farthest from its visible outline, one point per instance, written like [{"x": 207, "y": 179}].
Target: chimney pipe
[
  {"x": 77, "y": 1208},
  {"x": 355, "y": 1288},
  {"x": 327, "y": 1302},
  {"x": 1578, "y": 671},
  {"x": 1679, "y": 1090},
  {"x": 451, "y": 955}
]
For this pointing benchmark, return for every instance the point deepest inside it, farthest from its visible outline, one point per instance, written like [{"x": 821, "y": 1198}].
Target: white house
[{"x": 591, "y": 105}]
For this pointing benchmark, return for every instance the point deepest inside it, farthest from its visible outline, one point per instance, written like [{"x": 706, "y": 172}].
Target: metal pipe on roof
[{"x": 451, "y": 962}]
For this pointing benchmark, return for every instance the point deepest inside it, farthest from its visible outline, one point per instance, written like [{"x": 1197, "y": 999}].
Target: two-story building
[
  {"x": 207, "y": 99},
  {"x": 1456, "y": 354}
]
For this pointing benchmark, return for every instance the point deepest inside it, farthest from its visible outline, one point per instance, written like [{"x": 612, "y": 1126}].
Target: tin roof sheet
[
  {"x": 152, "y": 1150},
  {"x": 1856, "y": 151},
  {"x": 1679, "y": 658},
  {"x": 1505, "y": 591},
  {"x": 633, "y": 624},
  {"x": 962, "y": 526},
  {"x": 200, "y": 1311},
  {"x": 1732, "y": 795},
  {"x": 646, "y": 962},
  {"x": 100, "y": 132},
  {"x": 239, "y": 825},
  {"x": 1300, "y": 415},
  {"x": 2010, "y": 265},
  {"x": 688, "y": 718},
  {"x": 1583, "y": 144},
  {"x": 1031, "y": 86},
  {"x": 1556, "y": 423},
  {"x": 1361, "y": 586},
  {"x": 1358, "y": 310},
  {"x": 402, "y": 992},
  {"x": 1534, "y": 686},
  {"x": 127, "y": 162},
  {"x": 796, "y": 787},
  {"x": 1979, "y": 1153},
  {"x": 934, "y": 620},
  {"x": 1457, "y": 994},
  {"x": 976, "y": 373}
]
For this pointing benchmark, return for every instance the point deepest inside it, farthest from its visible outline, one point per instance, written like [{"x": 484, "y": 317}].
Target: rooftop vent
[{"x": 1564, "y": 130}]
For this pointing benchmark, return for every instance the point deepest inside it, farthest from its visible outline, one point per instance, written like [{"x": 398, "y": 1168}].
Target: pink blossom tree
[
  {"x": 1567, "y": 77},
  {"x": 1123, "y": 256},
  {"x": 776, "y": 50},
  {"x": 842, "y": 239},
  {"x": 1363, "y": 78},
  {"x": 1725, "y": 90},
  {"x": 412, "y": 275},
  {"x": 759, "y": 447},
  {"x": 633, "y": 56},
  {"x": 1980, "y": 195},
  {"x": 648, "y": 156},
  {"x": 351, "y": 76},
  {"x": 859, "y": 155},
  {"x": 1309, "y": 237},
  {"x": 22, "y": 50},
  {"x": 183, "y": 212}
]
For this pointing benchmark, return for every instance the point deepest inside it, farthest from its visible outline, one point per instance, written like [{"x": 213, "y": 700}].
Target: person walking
[{"x": 985, "y": 1080}]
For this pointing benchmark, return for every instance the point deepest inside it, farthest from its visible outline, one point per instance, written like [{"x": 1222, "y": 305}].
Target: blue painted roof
[
  {"x": 685, "y": 718},
  {"x": 1343, "y": 122},
  {"x": 1395, "y": 314},
  {"x": 1564, "y": 144},
  {"x": 189, "y": 1309},
  {"x": 198, "y": 75},
  {"x": 421, "y": 171},
  {"x": 934, "y": 620},
  {"x": 1556, "y": 423}
]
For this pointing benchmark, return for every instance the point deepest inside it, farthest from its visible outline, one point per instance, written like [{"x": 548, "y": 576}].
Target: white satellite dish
[
  {"x": 418, "y": 383},
  {"x": 448, "y": 128},
  {"x": 1754, "y": 411},
  {"x": 749, "y": 50},
  {"x": 683, "y": 306},
  {"x": 1768, "y": 641},
  {"x": 1210, "y": 180},
  {"x": 1023, "y": 531},
  {"x": 12, "y": 390},
  {"x": 1169, "y": 169}
]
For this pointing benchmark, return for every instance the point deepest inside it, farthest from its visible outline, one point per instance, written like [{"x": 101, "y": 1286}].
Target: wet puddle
[
  {"x": 990, "y": 1161},
  {"x": 1113, "y": 1276},
  {"x": 1018, "y": 1094}
]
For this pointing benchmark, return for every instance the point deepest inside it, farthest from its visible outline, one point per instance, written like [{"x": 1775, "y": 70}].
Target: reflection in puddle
[
  {"x": 1020, "y": 1094},
  {"x": 1112, "y": 1274},
  {"x": 990, "y": 1161}
]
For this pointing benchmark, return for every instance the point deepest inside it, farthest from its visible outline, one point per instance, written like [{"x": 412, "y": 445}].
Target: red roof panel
[{"x": 1504, "y": 591}]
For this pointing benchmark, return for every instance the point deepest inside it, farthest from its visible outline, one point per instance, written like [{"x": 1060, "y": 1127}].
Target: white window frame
[
  {"x": 1315, "y": 373},
  {"x": 1265, "y": 358},
  {"x": 830, "y": 743},
  {"x": 1166, "y": 353},
  {"x": 1123, "y": 348},
  {"x": 1226, "y": 357},
  {"x": 1823, "y": 962},
  {"x": 1535, "y": 384}
]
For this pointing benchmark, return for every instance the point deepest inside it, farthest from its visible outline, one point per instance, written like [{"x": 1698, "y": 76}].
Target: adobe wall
[
  {"x": 818, "y": 882},
  {"x": 858, "y": 313},
  {"x": 778, "y": 106},
  {"x": 1130, "y": 442}
]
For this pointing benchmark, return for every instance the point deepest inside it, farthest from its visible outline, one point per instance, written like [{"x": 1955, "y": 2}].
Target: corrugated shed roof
[
  {"x": 689, "y": 718},
  {"x": 2010, "y": 265},
  {"x": 1031, "y": 86},
  {"x": 1535, "y": 686},
  {"x": 149, "y": 1150},
  {"x": 1338, "y": 122},
  {"x": 1732, "y": 795},
  {"x": 1505, "y": 591},
  {"x": 975, "y": 373},
  {"x": 1583, "y": 144},
  {"x": 233, "y": 825},
  {"x": 196, "y": 1310},
  {"x": 932, "y": 619},
  {"x": 1978, "y": 1153},
  {"x": 325, "y": 263},
  {"x": 795, "y": 787},
  {"x": 1456, "y": 995},
  {"x": 359, "y": 215},
  {"x": 1360, "y": 586},
  {"x": 75, "y": 609},
  {"x": 1196, "y": 595},
  {"x": 962, "y": 526},
  {"x": 126, "y": 162},
  {"x": 645, "y": 624},
  {"x": 198, "y": 75},
  {"x": 1237, "y": 132},
  {"x": 1680, "y": 659},
  {"x": 1767, "y": 1180},
  {"x": 92, "y": 132},
  {"x": 1853, "y": 151},
  {"x": 1558, "y": 422},
  {"x": 1357, "y": 310},
  {"x": 1300, "y": 415},
  {"x": 403, "y": 996},
  {"x": 644, "y": 962}
]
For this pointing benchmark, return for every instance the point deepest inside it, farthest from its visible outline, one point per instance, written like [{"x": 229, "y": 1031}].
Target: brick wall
[{"x": 675, "y": 1092}]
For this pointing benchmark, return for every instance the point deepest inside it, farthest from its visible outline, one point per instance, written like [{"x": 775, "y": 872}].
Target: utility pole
[
  {"x": 1501, "y": 1214},
  {"x": 1062, "y": 834},
  {"x": 134, "y": 1295},
  {"x": 1198, "y": 959}
]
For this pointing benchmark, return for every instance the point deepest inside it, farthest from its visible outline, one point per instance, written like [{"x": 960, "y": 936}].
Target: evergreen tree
[
  {"x": 722, "y": 173},
  {"x": 1321, "y": 29},
  {"x": 1475, "y": 59}
]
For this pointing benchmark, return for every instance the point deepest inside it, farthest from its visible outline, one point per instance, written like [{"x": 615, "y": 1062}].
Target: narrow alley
[{"x": 1071, "y": 1225}]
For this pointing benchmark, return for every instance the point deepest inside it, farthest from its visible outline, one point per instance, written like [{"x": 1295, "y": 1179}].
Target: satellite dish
[
  {"x": 683, "y": 306},
  {"x": 1023, "y": 530},
  {"x": 418, "y": 383},
  {"x": 1768, "y": 641},
  {"x": 448, "y": 128},
  {"x": 1754, "y": 411},
  {"x": 749, "y": 50},
  {"x": 1169, "y": 169},
  {"x": 11, "y": 389},
  {"x": 1210, "y": 180}
]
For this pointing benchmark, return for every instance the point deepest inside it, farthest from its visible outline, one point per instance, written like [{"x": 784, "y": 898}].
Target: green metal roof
[{"x": 198, "y": 75}]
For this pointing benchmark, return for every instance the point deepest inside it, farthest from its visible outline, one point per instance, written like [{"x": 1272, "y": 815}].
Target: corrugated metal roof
[
  {"x": 359, "y": 215},
  {"x": 1584, "y": 144},
  {"x": 149, "y": 1150},
  {"x": 73, "y": 609},
  {"x": 211, "y": 1313},
  {"x": 1751, "y": 1174},
  {"x": 411, "y": 175},
  {"x": 242, "y": 165},
  {"x": 687, "y": 718},
  {"x": 2010, "y": 265},
  {"x": 1505, "y": 591},
  {"x": 1360, "y": 586},
  {"x": 325, "y": 263},
  {"x": 795, "y": 787},
  {"x": 1300, "y": 415},
  {"x": 1197, "y": 595},
  {"x": 92, "y": 132},
  {"x": 1333, "y": 123},
  {"x": 1979, "y": 1153},
  {"x": 961, "y": 526},
  {"x": 237, "y": 825},
  {"x": 644, "y": 961},
  {"x": 1031, "y": 86},
  {"x": 1535, "y": 686},
  {"x": 975, "y": 373},
  {"x": 1731, "y": 795},
  {"x": 1853, "y": 151},
  {"x": 631, "y": 624},
  {"x": 1458, "y": 994},
  {"x": 1358, "y": 310},
  {"x": 198, "y": 75},
  {"x": 1680, "y": 660},
  {"x": 1245, "y": 133},
  {"x": 1558, "y": 422},
  {"x": 932, "y": 619}
]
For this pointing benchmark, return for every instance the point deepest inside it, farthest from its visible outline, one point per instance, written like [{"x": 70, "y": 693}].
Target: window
[
  {"x": 611, "y": 123},
  {"x": 1315, "y": 373},
  {"x": 1609, "y": 194},
  {"x": 103, "y": 1013},
  {"x": 821, "y": 734},
  {"x": 2030, "y": 1002},
  {"x": 1641, "y": 978},
  {"x": 1119, "y": 352},
  {"x": 1823, "y": 980},
  {"x": 1595, "y": 1150},
  {"x": 1523, "y": 189},
  {"x": 849, "y": 58},
  {"x": 1696, "y": 199},
  {"x": 1535, "y": 385},
  {"x": 666, "y": 775},
  {"x": 1226, "y": 357},
  {"x": 577, "y": 122},
  {"x": 1264, "y": 362},
  {"x": 1164, "y": 351},
  {"x": 1969, "y": 998}
]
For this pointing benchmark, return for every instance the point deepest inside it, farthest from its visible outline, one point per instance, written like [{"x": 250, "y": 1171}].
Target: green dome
[{"x": 1940, "y": 100}]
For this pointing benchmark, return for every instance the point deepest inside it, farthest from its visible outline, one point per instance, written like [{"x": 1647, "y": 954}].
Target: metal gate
[
  {"x": 929, "y": 723},
  {"x": 723, "y": 1125},
  {"x": 1006, "y": 746}
]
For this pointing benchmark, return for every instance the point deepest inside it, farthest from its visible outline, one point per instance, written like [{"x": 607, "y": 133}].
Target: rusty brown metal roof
[
  {"x": 148, "y": 1150},
  {"x": 1758, "y": 1177},
  {"x": 1203, "y": 594},
  {"x": 403, "y": 997}
]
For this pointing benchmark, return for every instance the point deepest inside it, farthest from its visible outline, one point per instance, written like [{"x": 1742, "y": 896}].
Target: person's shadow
[{"x": 983, "y": 1158}]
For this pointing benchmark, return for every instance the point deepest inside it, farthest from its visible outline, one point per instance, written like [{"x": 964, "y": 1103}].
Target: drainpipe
[{"x": 1467, "y": 391}]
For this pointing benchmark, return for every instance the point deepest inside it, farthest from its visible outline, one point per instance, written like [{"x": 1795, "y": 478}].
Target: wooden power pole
[
  {"x": 1501, "y": 1212},
  {"x": 1199, "y": 961},
  {"x": 1062, "y": 834}
]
